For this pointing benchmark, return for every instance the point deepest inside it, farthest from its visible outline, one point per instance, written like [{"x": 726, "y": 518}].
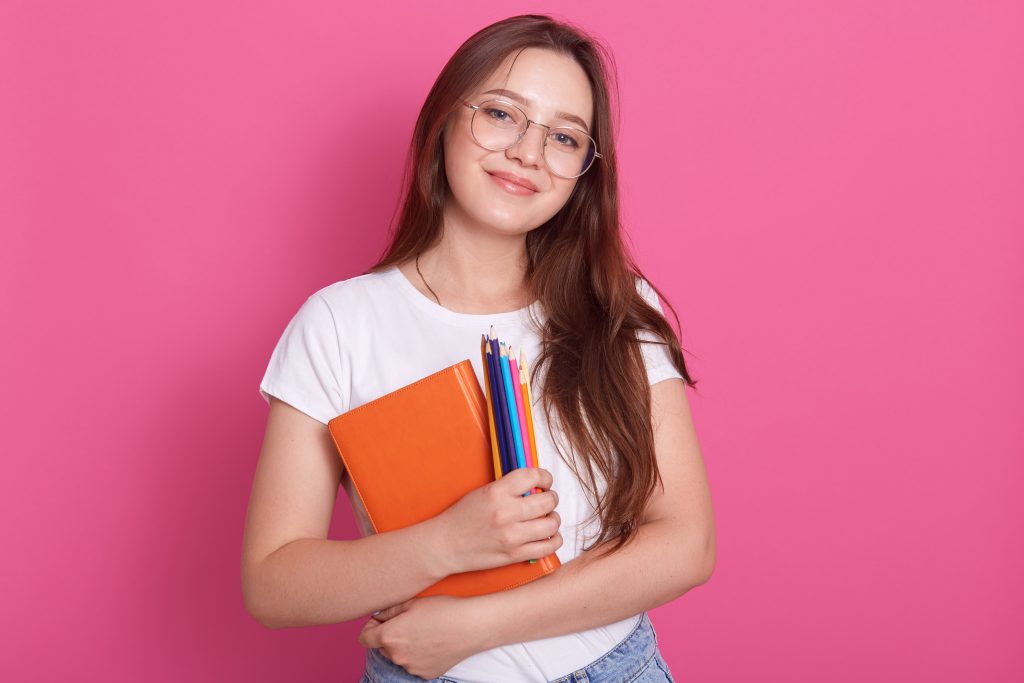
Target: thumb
[{"x": 368, "y": 637}]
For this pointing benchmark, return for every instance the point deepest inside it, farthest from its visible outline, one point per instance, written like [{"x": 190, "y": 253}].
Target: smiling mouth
[{"x": 511, "y": 187}]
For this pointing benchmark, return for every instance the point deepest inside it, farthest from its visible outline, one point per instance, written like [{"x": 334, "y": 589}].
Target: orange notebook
[{"x": 415, "y": 452}]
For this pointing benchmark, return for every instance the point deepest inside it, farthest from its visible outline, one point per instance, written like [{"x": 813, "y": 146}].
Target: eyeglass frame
[{"x": 476, "y": 108}]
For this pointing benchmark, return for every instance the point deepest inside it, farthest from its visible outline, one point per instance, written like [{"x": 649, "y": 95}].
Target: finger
[
  {"x": 539, "y": 549},
  {"x": 543, "y": 478},
  {"x": 537, "y": 505},
  {"x": 540, "y": 528},
  {"x": 369, "y": 637},
  {"x": 513, "y": 483},
  {"x": 523, "y": 479}
]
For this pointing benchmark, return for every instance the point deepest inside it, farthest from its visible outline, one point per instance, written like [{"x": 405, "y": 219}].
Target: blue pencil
[{"x": 506, "y": 374}]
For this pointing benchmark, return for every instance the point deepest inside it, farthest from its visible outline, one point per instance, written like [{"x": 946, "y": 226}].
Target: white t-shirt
[{"x": 358, "y": 339}]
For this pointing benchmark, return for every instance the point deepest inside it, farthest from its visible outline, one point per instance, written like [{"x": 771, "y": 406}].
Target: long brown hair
[{"x": 593, "y": 374}]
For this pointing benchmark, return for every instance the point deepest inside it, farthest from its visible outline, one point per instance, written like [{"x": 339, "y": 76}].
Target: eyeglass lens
[{"x": 568, "y": 152}]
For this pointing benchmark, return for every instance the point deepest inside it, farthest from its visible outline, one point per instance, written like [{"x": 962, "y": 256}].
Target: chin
[
  {"x": 508, "y": 227},
  {"x": 505, "y": 224}
]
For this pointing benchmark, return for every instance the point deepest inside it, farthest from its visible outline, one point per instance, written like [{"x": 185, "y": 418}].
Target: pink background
[{"x": 830, "y": 194}]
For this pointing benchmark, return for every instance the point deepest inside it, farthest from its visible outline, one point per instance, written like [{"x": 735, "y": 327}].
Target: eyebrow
[{"x": 522, "y": 100}]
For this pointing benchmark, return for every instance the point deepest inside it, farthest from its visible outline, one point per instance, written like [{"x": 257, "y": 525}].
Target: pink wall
[{"x": 830, "y": 194}]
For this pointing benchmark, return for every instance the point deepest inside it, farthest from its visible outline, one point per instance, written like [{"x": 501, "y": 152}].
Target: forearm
[
  {"x": 593, "y": 590},
  {"x": 313, "y": 581}
]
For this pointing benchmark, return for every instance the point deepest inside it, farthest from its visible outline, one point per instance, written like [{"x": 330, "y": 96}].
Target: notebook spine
[{"x": 474, "y": 397}]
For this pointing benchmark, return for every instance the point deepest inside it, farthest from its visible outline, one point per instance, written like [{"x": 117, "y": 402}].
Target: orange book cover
[{"x": 415, "y": 452}]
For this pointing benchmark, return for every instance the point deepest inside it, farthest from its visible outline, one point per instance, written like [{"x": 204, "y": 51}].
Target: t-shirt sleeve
[
  {"x": 305, "y": 369},
  {"x": 656, "y": 357}
]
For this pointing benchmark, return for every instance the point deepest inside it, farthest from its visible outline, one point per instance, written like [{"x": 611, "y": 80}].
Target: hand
[
  {"x": 427, "y": 636},
  {"x": 495, "y": 524}
]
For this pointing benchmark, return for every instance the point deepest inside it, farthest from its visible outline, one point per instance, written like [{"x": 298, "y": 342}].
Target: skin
[{"x": 293, "y": 575}]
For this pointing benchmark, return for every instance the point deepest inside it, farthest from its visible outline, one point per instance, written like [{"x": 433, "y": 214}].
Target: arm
[
  {"x": 675, "y": 547},
  {"x": 292, "y": 575}
]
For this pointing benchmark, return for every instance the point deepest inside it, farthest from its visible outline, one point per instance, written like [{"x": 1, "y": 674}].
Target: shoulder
[
  {"x": 356, "y": 296},
  {"x": 346, "y": 304},
  {"x": 643, "y": 286}
]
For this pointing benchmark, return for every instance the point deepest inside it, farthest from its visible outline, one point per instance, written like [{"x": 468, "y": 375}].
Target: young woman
[{"x": 510, "y": 218}]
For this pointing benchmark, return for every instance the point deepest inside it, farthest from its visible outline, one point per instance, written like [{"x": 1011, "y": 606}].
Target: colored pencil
[
  {"x": 499, "y": 390},
  {"x": 524, "y": 375},
  {"x": 517, "y": 390},
  {"x": 527, "y": 418},
  {"x": 495, "y": 453},
  {"x": 510, "y": 387},
  {"x": 513, "y": 413},
  {"x": 517, "y": 386},
  {"x": 499, "y": 418}
]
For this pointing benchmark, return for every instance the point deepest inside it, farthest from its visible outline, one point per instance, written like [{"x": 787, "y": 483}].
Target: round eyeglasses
[{"x": 497, "y": 125}]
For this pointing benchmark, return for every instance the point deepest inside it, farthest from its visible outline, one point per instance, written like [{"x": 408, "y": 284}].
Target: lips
[{"x": 512, "y": 178}]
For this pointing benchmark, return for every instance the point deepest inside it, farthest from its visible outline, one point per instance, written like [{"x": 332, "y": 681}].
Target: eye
[
  {"x": 497, "y": 114},
  {"x": 565, "y": 139},
  {"x": 500, "y": 115}
]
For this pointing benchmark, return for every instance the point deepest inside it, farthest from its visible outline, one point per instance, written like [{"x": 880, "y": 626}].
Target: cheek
[
  {"x": 461, "y": 160},
  {"x": 560, "y": 193}
]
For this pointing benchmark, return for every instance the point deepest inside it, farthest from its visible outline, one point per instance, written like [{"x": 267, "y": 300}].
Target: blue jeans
[{"x": 635, "y": 660}]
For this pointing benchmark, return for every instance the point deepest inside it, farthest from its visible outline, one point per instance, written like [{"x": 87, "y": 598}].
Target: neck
[{"x": 475, "y": 270}]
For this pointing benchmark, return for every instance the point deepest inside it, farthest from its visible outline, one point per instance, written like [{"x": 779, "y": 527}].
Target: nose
[{"x": 529, "y": 151}]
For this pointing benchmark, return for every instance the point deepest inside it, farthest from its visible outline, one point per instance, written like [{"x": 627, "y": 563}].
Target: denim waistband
[{"x": 624, "y": 661}]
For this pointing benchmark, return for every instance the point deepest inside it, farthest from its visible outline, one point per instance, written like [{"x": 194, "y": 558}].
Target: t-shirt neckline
[{"x": 436, "y": 310}]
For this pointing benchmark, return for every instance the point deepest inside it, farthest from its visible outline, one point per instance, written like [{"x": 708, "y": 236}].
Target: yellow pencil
[
  {"x": 485, "y": 351},
  {"x": 524, "y": 376}
]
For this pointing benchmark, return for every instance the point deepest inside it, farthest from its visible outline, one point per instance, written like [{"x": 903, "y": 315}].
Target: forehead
[{"x": 551, "y": 82}]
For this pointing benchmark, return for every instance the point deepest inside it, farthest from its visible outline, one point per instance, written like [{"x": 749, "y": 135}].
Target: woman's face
[{"x": 545, "y": 85}]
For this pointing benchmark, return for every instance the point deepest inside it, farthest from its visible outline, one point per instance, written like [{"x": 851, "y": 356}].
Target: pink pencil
[{"x": 518, "y": 389}]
